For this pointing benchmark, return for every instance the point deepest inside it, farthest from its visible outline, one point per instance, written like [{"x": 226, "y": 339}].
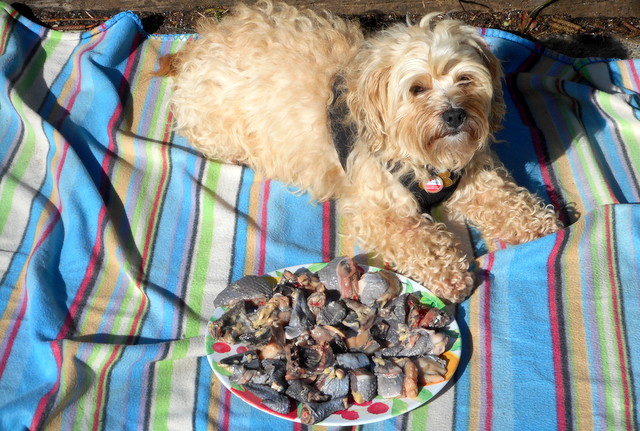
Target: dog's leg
[
  {"x": 417, "y": 247},
  {"x": 501, "y": 209}
]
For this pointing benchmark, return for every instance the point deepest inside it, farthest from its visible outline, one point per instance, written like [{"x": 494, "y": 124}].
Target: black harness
[{"x": 437, "y": 190}]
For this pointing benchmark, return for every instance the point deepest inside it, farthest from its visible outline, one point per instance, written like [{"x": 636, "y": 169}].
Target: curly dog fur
[{"x": 256, "y": 87}]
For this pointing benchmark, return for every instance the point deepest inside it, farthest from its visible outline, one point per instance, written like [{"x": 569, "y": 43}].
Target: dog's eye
[
  {"x": 464, "y": 79},
  {"x": 417, "y": 89}
]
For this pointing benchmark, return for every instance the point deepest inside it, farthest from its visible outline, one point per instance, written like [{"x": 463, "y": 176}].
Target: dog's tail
[{"x": 167, "y": 66}]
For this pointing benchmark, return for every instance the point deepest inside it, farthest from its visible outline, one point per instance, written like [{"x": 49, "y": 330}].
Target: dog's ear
[
  {"x": 495, "y": 69},
  {"x": 367, "y": 100}
]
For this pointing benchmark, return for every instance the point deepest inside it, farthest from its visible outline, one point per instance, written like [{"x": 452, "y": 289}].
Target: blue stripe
[
  {"x": 292, "y": 240},
  {"x": 242, "y": 219},
  {"x": 203, "y": 399},
  {"x": 531, "y": 366}
]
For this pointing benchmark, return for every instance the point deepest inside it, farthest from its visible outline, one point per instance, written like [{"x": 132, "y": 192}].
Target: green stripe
[
  {"x": 164, "y": 376},
  {"x": 165, "y": 373},
  {"x": 419, "y": 418},
  {"x": 139, "y": 233},
  {"x": 624, "y": 127},
  {"x": 585, "y": 156},
  {"x": 619, "y": 345},
  {"x": 28, "y": 143},
  {"x": 203, "y": 251},
  {"x": 603, "y": 312}
]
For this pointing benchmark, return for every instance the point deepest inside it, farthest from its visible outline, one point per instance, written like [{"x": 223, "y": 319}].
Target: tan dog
[{"x": 419, "y": 106}]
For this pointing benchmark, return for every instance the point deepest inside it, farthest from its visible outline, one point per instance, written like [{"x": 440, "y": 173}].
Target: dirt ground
[{"x": 614, "y": 37}]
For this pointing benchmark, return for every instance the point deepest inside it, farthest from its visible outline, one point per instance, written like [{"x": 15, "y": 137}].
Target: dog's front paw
[
  {"x": 442, "y": 268},
  {"x": 548, "y": 222},
  {"x": 449, "y": 278},
  {"x": 540, "y": 221}
]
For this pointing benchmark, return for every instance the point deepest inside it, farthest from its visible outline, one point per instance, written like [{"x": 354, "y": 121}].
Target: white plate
[{"x": 373, "y": 411}]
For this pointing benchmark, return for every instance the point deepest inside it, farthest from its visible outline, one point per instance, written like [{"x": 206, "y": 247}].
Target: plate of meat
[{"x": 336, "y": 343}]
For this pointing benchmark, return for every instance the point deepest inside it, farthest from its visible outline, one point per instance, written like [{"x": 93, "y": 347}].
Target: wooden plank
[{"x": 580, "y": 8}]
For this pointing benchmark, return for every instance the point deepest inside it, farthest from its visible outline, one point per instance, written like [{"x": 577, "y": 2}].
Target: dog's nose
[{"x": 454, "y": 117}]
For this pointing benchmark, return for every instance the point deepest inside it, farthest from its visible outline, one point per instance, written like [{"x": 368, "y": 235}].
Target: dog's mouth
[{"x": 451, "y": 132}]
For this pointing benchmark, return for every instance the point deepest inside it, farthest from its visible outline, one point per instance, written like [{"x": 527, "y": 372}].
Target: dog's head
[{"x": 426, "y": 94}]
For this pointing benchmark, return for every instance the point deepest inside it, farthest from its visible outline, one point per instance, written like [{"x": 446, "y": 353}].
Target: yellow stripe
[
  {"x": 67, "y": 392},
  {"x": 578, "y": 356},
  {"x": 473, "y": 368},
  {"x": 253, "y": 231}
]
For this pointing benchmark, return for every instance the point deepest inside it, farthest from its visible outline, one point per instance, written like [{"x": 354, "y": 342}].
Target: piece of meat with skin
[
  {"x": 341, "y": 274},
  {"x": 276, "y": 401},
  {"x": 364, "y": 385},
  {"x": 390, "y": 378},
  {"x": 312, "y": 413},
  {"x": 249, "y": 287},
  {"x": 379, "y": 287}
]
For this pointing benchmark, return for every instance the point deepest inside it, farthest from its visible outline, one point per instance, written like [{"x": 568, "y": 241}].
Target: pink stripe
[
  {"x": 618, "y": 324},
  {"x": 55, "y": 348},
  {"x": 66, "y": 326},
  {"x": 5, "y": 34},
  {"x": 538, "y": 143},
  {"x": 555, "y": 332},
  {"x": 574, "y": 108},
  {"x": 54, "y": 345},
  {"x": 634, "y": 73},
  {"x": 105, "y": 166},
  {"x": 263, "y": 226},
  {"x": 488, "y": 372},
  {"x": 152, "y": 221},
  {"x": 37, "y": 417},
  {"x": 14, "y": 331},
  {"x": 544, "y": 170},
  {"x": 227, "y": 410},
  {"x": 326, "y": 231},
  {"x": 25, "y": 299},
  {"x": 101, "y": 381}
]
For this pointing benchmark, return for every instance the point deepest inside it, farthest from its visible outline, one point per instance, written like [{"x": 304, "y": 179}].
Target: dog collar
[{"x": 438, "y": 188}]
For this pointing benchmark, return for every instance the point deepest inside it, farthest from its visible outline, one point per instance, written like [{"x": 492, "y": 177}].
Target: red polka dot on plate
[
  {"x": 220, "y": 347},
  {"x": 349, "y": 415},
  {"x": 378, "y": 408},
  {"x": 241, "y": 349}
]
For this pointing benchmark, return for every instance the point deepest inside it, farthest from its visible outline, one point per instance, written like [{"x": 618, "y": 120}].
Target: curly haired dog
[{"x": 273, "y": 87}]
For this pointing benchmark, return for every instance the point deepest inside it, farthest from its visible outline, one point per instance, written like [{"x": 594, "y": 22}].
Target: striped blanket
[{"x": 115, "y": 236}]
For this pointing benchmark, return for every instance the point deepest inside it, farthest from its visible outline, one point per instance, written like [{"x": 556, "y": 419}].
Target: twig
[
  {"x": 563, "y": 25},
  {"x": 473, "y": 3},
  {"x": 72, "y": 19},
  {"x": 71, "y": 27},
  {"x": 632, "y": 28}
]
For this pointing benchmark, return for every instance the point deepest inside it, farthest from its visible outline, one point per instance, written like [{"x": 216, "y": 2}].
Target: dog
[{"x": 387, "y": 125}]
